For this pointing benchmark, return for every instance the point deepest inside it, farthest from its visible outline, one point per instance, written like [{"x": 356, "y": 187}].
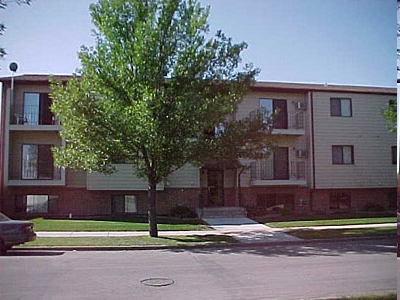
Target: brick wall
[{"x": 81, "y": 202}]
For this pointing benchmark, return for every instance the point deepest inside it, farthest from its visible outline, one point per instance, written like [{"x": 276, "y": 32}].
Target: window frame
[
  {"x": 42, "y": 115},
  {"x": 339, "y": 200},
  {"x": 340, "y": 159},
  {"x": 125, "y": 205},
  {"x": 341, "y": 112},
  {"x": 394, "y": 155},
  {"x": 281, "y": 121},
  {"x": 40, "y": 165}
]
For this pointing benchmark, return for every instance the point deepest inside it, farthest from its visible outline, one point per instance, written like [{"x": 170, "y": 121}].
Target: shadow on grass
[
  {"x": 131, "y": 219},
  {"x": 308, "y": 233},
  {"x": 201, "y": 239}
]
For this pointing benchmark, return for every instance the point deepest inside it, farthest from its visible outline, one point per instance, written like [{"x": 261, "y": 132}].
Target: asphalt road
[{"x": 274, "y": 272}]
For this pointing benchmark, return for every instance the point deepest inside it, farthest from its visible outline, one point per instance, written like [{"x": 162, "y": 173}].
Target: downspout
[
  {"x": 240, "y": 187},
  {"x": 312, "y": 148},
  {"x": 7, "y": 98}
]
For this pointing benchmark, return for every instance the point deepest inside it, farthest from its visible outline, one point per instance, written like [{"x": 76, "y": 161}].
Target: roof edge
[{"x": 257, "y": 86}]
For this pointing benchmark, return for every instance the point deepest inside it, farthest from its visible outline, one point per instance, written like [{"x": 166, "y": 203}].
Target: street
[{"x": 274, "y": 272}]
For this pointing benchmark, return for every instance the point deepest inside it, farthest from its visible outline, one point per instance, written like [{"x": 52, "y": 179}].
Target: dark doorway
[
  {"x": 281, "y": 120},
  {"x": 281, "y": 164},
  {"x": 215, "y": 187}
]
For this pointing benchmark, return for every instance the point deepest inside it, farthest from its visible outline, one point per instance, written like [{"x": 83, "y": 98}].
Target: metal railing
[
  {"x": 295, "y": 119},
  {"x": 31, "y": 115},
  {"x": 266, "y": 170},
  {"x": 32, "y": 170}
]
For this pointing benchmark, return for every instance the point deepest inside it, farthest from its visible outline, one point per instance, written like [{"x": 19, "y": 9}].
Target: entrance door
[{"x": 215, "y": 188}]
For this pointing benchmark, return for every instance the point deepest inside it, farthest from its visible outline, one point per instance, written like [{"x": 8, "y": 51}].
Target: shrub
[
  {"x": 255, "y": 211},
  {"x": 183, "y": 212}
]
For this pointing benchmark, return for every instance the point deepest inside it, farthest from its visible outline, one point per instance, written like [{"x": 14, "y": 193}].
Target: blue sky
[{"x": 324, "y": 41}]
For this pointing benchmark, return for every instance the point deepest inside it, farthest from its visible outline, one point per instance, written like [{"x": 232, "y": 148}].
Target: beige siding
[
  {"x": 365, "y": 130},
  {"x": 186, "y": 177},
  {"x": 123, "y": 179},
  {"x": 76, "y": 179}
]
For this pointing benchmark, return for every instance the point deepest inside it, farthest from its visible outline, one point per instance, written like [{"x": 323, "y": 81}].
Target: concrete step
[{"x": 221, "y": 212}]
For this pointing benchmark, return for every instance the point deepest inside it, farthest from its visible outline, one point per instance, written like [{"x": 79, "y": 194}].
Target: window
[
  {"x": 37, "y": 109},
  {"x": 340, "y": 200},
  {"x": 37, "y": 162},
  {"x": 219, "y": 130},
  {"x": 341, "y": 107},
  {"x": 394, "y": 155},
  {"x": 342, "y": 155},
  {"x": 275, "y": 202},
  {"x": 269, "y": 106},
  {"x": 37, "y": 203},
  {"x": 123, "y": 204}
]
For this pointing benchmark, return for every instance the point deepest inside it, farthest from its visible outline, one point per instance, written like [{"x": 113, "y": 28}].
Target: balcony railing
[
  {"x": 267, "y": 170},
  {"x": 295, "y": 119},
  {"x": 31, "y": 170},
  {"x": 31, "y": 115}
]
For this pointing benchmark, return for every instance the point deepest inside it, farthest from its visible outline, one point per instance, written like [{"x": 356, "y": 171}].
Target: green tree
[{"x": 149, "y": 91}]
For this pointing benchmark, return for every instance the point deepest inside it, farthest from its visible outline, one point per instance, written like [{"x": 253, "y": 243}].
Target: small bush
[
  {"x": 183, "y": 212},
  {"x": 256, "y": 211},
  {"x": 374, "y": 207}
]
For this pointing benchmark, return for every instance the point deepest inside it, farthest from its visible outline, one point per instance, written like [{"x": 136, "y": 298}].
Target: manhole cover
[{"x": 157, "y": 282}]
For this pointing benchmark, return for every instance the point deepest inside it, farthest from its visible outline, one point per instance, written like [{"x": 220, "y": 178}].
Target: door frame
[{"x": 216, "y": 187}]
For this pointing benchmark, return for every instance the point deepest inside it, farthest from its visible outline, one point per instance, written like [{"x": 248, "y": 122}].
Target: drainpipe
[
  {"x": 312, "y": 148},
  {"x": 240, "y": 187},
  {"x": 4, "y": 126}
]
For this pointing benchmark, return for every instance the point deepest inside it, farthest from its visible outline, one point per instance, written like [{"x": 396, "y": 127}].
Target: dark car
[{"x": 13, "y": 232}]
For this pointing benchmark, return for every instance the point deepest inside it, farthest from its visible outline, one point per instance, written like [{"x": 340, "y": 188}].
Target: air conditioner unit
[
  {"x": 302, "y": 153},
  {"x": 301, "y": 106}
]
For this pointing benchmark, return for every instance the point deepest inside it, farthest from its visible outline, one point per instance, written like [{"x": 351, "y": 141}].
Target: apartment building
[{"x": 333, "y": 154}]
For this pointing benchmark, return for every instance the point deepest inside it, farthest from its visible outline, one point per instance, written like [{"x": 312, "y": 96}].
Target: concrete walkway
[{"x": 246, "y": 230}]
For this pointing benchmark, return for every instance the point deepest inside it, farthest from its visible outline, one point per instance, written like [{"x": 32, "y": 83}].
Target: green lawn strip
[
  {"x": 335, "y": 222},
  {"x": 190, "y": 240},
  {"x": 310, "y": 234},
  {"x": 106, "y": 225},
  {"x": 392, "y": 296}
]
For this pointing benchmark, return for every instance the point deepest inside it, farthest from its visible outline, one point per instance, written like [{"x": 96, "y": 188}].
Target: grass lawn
[
  {"x": 334, "y": 222},
  {"x": 132, "y": 224},
  {"x": 191, "y": 240},
  {"x": 342, "y": 233}
]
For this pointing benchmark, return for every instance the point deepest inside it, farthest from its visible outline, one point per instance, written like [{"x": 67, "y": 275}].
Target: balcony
[
  {"x": 279, "y": 173},
  {"x": 35, "y": 173},
  {"x": 286, "y": 123},
  {"x": 31, "y": 117}
]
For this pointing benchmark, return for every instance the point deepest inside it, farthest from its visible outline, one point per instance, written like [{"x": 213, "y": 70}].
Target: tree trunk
[{"x": 152, "y": 196}]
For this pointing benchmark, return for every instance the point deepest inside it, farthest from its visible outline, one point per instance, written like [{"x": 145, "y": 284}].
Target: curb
[{"x": 210, "y": 246}]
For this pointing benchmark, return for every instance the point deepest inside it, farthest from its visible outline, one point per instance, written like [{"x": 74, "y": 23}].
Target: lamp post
[{"x": 13, "y": 68}]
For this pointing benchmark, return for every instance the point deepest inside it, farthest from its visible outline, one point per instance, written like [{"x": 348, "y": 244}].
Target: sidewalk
[{"x": 242, "y": 229}]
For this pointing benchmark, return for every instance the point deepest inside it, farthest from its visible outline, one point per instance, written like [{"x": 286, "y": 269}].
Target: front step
[{"x": 221, "y": 212}]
